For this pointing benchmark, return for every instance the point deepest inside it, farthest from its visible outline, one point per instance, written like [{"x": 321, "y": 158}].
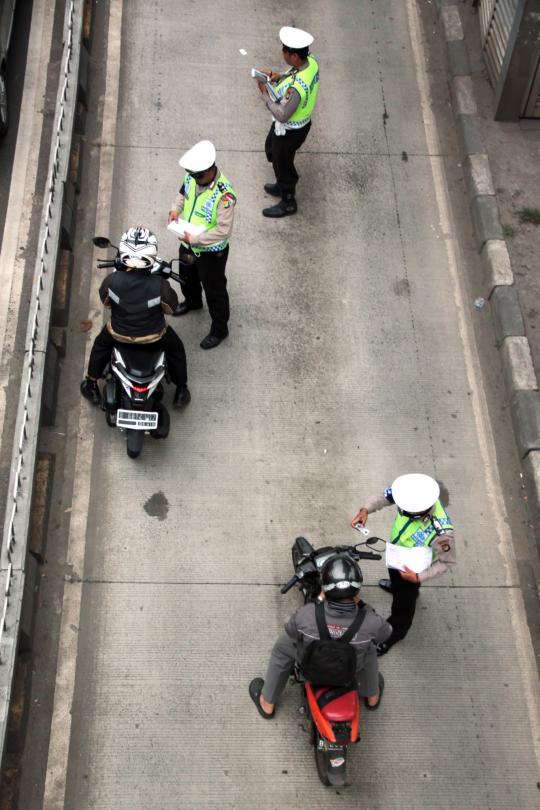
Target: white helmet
[
  {"x": 199, "y": 158},
  {"x": 415, "y": 493},
  {"x": 295, "y": 37},
  {"x": 138, "y": 247}
]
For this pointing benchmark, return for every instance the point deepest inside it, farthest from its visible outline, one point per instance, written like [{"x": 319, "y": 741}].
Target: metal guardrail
[{"x": 17, "y": 521}]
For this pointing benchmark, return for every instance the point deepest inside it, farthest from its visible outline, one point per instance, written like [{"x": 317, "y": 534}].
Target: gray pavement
[{"x": 351, "y": 359}]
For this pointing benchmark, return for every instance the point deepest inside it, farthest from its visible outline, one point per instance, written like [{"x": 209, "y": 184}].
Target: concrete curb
[
  {"x": 515, "y": 353},
  {"x": 39, "y": 371}
]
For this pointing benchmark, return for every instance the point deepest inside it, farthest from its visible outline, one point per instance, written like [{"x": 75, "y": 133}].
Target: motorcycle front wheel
[
  {"x": 329, "y": 774},
  {"x": 134, "y": 442}
]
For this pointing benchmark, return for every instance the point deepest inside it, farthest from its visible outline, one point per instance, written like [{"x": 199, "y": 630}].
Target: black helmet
[{"x": 341, "y": 577}]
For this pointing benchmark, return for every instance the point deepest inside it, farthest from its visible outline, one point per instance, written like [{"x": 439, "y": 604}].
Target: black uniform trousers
[
  {"x": 280, "y": 151},
  {"x": 404, "y": 594},
  {"x": 208, "y": 273},
  {"x": 170, "y": 343}
]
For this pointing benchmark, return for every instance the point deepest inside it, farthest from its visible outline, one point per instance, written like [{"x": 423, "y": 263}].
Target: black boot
[
  {"x": 285, "y": 208},
  {"x": 273, "y": 189},
  {"x": 211, "y": 341},
  {"x": 90, "y": 390},
  {"x": 386, "y": 585},
  {"x": 182, "y": 397},
  {"x": 183, "y": 307}
]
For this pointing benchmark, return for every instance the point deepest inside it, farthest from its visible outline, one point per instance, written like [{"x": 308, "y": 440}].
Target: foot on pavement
[
  {"x": 211, "y": 341},
  {"x": 184, "y": 307},
  {"x": 255, "y": 689},
  {"x": 273, "y": 189},
  {"x": 90, "y": 390},
  {"x": 282, "y": 209},
  {"x": 182, "y": 397}
]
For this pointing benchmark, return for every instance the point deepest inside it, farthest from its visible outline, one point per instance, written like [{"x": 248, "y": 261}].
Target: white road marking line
[
  {"x": 23, "y": 185},
  {"x": 523, "y": 644},
  {"x": 57, "y": 764}
]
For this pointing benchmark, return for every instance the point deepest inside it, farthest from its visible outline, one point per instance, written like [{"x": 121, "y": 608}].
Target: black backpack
[{"x": 331, "y": 661}]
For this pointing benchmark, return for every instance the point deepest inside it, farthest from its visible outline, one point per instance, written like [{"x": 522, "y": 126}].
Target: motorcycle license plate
[
  {"x": 326, "y": 745},
  {"x": 137, "y": 420}
]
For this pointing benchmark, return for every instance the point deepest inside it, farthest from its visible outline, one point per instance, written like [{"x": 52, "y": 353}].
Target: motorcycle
[
  {"x": 334, "y": 712},
  {"x": 133, "y": 391}
]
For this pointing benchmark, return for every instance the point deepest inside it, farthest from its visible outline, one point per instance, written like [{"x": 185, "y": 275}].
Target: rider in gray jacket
[{"x": 341, "y": 594}]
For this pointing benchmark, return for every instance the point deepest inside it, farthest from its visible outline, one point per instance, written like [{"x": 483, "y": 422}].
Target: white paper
[
  {"x": 417, "y": 559},
  {"x": 242, "y": 51},
  {"x": 262, "y": 77},
  {"x": 182, "y": 226}
]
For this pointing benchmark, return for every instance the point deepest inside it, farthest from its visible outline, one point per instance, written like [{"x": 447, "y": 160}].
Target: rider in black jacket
[{"x": 138, "y": 301}]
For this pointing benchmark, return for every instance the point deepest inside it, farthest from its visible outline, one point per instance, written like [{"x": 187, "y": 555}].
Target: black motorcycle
[
  {"x": 335, "y": 713},
  {"x": 133, "y": 391}
]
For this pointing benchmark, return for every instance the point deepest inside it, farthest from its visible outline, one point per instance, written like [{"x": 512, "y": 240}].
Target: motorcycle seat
[
  {"x": 141, "y": 361},
  {"x": 337, "y": 704}
]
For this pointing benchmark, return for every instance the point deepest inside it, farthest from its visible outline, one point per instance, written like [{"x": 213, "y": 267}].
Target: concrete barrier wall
[{"x": 55, "y": 214}]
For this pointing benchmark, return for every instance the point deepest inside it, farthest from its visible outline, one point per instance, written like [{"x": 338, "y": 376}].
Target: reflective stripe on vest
[
  {"x": 201, "y": 209},
  {"x": 306, "y": 84},
  {"x": 412, "y": 532},
  {"x": 129, "y": 302}
]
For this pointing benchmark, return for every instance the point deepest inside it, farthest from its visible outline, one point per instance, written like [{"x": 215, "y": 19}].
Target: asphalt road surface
[{"x": 351, "y": 359}]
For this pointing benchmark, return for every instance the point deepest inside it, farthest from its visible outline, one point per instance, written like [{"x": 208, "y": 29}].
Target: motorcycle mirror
[{"x": 101, "y": 241}]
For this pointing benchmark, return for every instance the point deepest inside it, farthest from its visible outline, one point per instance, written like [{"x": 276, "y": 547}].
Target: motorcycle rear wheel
[
  {"x": 329, "y": 776},
  {"x": 134, "y": 442}
]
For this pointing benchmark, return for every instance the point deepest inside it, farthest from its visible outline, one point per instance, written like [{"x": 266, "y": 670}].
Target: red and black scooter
[{"x": 334, "y": 711}]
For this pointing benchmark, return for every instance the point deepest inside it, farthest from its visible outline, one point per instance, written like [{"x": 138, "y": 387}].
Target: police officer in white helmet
[
  {"x": 291, "y": 116},
  {"x": 206, "y": 198},
  {"x": 421, "y": 520}
]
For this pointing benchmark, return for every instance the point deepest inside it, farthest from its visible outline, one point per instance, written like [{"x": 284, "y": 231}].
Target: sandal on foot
[
  {"x": 255, "y": 689},
  {"x": 381, "y": 690}
]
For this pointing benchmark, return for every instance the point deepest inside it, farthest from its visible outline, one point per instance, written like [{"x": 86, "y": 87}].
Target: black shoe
[
  {"x": 184, "y": 307},
  {"x": 282, "y": 209},
  {"x": 211, "y": 341},
  {"x": 273, "y": 189},
  {"x": 90, "y": 390},
  {"x": 255, "y": 689},
  {"x": 386, "y": 585},
  {"x": 182, "y": 396}
]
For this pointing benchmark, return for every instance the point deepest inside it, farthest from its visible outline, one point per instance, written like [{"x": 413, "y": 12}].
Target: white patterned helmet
[
  {"x": 415, "y": 493},
  {"x": 138, "y": 248}
]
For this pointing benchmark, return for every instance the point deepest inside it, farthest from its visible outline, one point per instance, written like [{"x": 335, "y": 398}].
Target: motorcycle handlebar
[
  {"x": 288, "y": 585},
  {"x": 103, "y": 263},
  {"x": 367, "y": 555}
]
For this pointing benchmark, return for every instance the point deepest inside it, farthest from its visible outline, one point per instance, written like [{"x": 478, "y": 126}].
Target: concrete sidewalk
[{"x": 502, "y": 168}]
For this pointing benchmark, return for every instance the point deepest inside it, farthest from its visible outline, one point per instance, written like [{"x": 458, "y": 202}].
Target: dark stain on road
[
  {"x": 402, "y": 287},
  {"x": 444, "y": 497},
  {"x": 157, "y": 506}
]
